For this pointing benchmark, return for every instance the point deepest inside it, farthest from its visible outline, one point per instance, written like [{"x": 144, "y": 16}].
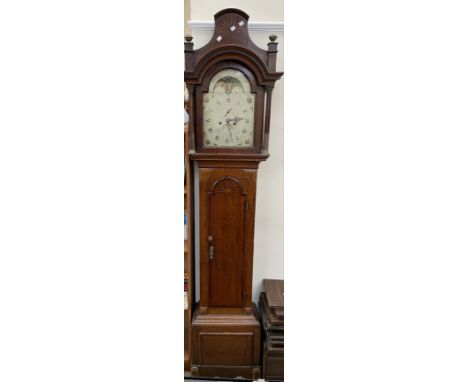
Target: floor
[
  {"x": 201, "y": 379},
  {"x": 192, "y": 379}
]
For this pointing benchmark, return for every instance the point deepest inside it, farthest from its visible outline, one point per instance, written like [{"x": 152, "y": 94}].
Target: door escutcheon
[{"x": 211, "y": 247}]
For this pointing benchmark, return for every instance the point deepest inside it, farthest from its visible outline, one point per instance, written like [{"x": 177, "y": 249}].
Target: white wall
[
  {"x": 258, "y": 10},
  {"x": 268, "y": 251}
]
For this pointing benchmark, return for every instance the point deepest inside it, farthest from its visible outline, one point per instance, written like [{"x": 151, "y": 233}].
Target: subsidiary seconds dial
[{"x": 228, "y": 111}]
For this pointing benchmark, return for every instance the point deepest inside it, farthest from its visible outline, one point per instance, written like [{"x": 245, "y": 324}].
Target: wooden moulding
[{"x": 188, "y": 252}]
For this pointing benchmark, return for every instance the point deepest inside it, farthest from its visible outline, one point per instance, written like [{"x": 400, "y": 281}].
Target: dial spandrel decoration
[{"x": 228, "y": 111}]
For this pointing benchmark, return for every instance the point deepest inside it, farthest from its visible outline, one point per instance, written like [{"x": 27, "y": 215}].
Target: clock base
[{"x": 226, "y": 345}]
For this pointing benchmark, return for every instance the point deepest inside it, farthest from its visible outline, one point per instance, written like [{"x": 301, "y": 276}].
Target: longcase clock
[{"x": 230, "y": 82}]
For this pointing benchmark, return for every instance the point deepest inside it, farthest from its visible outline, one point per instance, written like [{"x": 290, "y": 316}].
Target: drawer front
[
  {"x": 226, "y": 348},
  {"x": 273, "y": 364}
]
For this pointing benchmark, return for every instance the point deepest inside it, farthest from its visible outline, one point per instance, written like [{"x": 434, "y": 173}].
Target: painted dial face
[{"x": 228, "y": 111}]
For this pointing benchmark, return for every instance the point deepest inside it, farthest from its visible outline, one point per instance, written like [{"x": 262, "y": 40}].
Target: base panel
[
  {"x": 226, "y": 345},
  {"x": 226, "y": 372}
]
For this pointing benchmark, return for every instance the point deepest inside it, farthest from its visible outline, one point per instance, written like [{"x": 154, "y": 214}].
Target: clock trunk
[{"x": 227, "y": 216}]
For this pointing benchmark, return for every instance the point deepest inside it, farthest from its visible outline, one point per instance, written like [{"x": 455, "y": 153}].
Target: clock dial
[{"x": 228, "y": 111}]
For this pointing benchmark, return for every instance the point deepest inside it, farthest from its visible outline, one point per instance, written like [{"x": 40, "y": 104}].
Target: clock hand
[
  {"x": 235, "y": 119},
  {"x": 228, "y": 125},
  {"x": 229, "y": 129},
  {"x": 227, "y": 112}
]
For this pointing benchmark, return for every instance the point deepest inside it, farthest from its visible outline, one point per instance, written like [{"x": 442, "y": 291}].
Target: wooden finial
[
  {"x": 273, "y": 38},
  {"x": 188, "y": 38}
]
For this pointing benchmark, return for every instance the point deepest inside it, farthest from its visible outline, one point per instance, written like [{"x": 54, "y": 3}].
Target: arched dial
[{"x": 228, "y": 111}]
